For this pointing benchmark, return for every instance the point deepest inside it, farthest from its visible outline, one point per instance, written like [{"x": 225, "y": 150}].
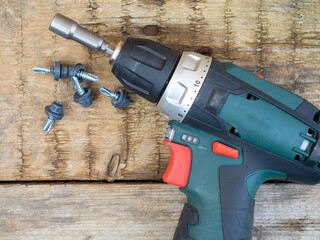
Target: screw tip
[
  {"x": 42, "y": 70},
  {"x": 92, "y": 77},
  {"x": 88, "y": 76},
  {"x": 109, "y": 93},
  {"x": 48, "y": 125},
  {"x": 105, "y": 91},
  {"x": 46, "y": 129},
  {"x": 35, "y": 69}
]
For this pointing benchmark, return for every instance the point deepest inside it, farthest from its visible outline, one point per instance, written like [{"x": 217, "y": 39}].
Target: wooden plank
[
  {"x": 279, "y": 39},
  {"x": 141, "y": 211}
]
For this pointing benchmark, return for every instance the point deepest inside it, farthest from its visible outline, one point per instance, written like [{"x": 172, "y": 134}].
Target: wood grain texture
[
  {"x": 279, "y": 39},
  {"x": 141, "y": 212}
]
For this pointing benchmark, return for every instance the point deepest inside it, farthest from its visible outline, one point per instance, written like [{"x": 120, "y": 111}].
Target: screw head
[
  {"x": 55, "y": 110},
  {"x": 56, "y": 107},
  {"x": 86, "y": 99},
  {"x": 123, "y": 100},
  {"x": 77, "y": 68}
]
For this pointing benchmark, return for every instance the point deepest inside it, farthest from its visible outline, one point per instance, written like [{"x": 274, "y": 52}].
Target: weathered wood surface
[
  {"x": 279, "y": 39},
  {"x": 141, "y": 211}
]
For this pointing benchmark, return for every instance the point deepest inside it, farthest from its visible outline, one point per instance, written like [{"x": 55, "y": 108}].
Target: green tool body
[
  {"x": 271, "y": 141},
  {"x": 229, "y": 130}
]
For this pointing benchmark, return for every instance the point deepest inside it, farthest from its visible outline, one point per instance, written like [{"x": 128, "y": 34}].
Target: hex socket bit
[{"x": 69, "y": 29}]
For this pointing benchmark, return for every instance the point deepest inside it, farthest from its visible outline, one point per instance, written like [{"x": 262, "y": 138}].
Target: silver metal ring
[{"x": 184, "y": 86}]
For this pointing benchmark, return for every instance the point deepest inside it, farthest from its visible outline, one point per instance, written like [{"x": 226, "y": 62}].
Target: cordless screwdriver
[{"x": 229, "y": 130}]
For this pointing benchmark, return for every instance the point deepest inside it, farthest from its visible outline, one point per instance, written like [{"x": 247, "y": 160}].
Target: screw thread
[
  {"x": 77, "y": 86},
  {"x": 43, "y": 69},
  {"x": 81, "y": 91},
  {"x": 109, "y": 93},
  {"x": 48, "y": 124},
  {"x": 87, "y": 76}
]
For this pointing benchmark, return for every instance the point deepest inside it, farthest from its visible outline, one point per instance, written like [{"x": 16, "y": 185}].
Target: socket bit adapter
[{"x": 68, "y": 28}]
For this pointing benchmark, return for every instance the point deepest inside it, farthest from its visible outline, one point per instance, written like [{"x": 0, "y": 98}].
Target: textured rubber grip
[
  {"x": 225, "y": 213},
  {"x": 237, "y": 208},
  {"x": 188, "y": 216}
]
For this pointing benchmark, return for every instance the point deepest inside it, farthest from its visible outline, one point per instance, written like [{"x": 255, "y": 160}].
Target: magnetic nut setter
[
  {"x": 54, "y": 112},
  {"x": 119, "y": 98}
]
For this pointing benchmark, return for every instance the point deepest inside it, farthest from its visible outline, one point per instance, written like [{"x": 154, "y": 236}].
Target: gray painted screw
[
  {"x": 62, "y": 71},
  {"x": 119, "y": 98},
  {"x": 109, "y": 93},
  {"x": 77, "y": 85},
  {"x": 54, "y": 112},
  {"x": 82, "y": 95}
]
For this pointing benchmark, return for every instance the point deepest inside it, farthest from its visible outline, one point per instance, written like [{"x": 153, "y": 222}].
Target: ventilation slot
[
  {"x": 311, "y": 132},
  {"x": 250, "y": 97},
  {"x": 308, "y": 142},
  {"x": 233, "y": 130},
  {"x": 298, "y": 158},
  {"x": 301, "y": 153},
  {"x": 316, "y": 117}
]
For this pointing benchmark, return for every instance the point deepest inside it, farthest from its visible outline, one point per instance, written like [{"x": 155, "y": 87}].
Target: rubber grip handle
[
  {"x": 224, "y": 213},
  {"x": 188, "y": 216},
  {"x": 237, "y": 207}
]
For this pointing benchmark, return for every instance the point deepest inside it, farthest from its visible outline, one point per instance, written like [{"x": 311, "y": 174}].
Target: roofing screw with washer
[
  {"x": 82, "y": 95},
  {"x": 61, "y": 71},
  {"x": 119, "y": 98},
  {"x": 54, "y": 112}
]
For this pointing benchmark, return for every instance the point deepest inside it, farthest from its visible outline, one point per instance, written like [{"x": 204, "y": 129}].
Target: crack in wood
[
  {"x": 295, "y": 28},
  {"x": 90, "y": 156},
  {"x": 22, "y": 93},
  {"x": 262, "y": 35},
  {"x": 227, "y": 19}
]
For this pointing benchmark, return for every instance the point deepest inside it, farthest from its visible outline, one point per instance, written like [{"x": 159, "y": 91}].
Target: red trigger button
[
  {"x": 178, "y": 169},
  {"x": 260, "y": 76},
  {"x": 221, "y": 149}
]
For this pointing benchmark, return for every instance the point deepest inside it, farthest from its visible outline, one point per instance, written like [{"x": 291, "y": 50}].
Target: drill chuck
[{"x": 69, "y": 29}]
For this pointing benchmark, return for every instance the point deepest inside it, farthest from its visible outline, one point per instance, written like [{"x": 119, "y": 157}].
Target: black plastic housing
[{"x": 145, "y": 67}]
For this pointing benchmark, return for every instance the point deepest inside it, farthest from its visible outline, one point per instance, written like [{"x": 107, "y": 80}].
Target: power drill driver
[{"x": 229, "y": 130}]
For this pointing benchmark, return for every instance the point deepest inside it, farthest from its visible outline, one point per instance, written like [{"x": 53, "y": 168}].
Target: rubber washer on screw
[
  {"x": 122, "y": 101},
  {"x": 77, "y": 68},
  {"x": 54, "y": 111},
  {"x": 57, "y": 70},
  {"x": 86, "y": 99}
]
